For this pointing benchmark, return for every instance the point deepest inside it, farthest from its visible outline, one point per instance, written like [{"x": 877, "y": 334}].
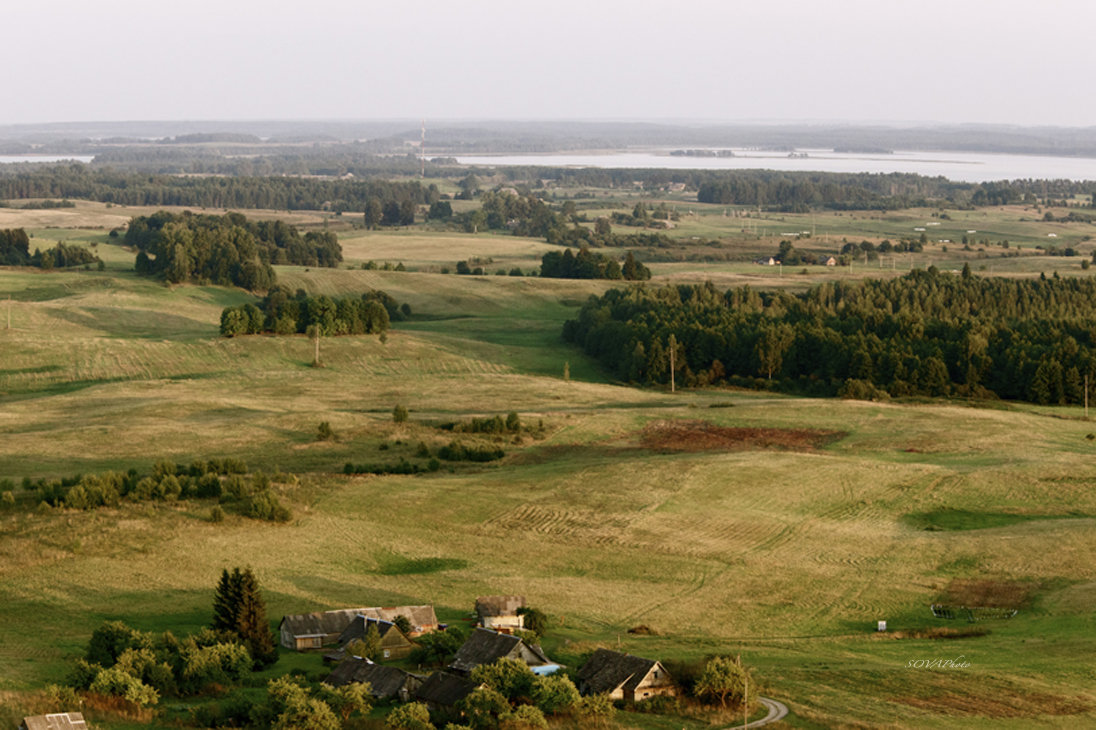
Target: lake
[{"x": 961, "y": 166}]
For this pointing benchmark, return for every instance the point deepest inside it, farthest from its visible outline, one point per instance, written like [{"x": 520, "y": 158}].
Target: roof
[
  {"x": 606, "y": 670},
  {"x": 360, "y": 625},
  {"x": 55, "y": 721},
  {"x": 485, "y": 647},
  {"x": 443, "y": 688},
  {"x": 499, "y": 605},
  {"x": 384, "y": 681},
  {"x": 335, "y": 622}
]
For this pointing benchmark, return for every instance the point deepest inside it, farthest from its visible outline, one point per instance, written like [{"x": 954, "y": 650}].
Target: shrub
[
  {"x": 266, "y": 506},
  {"x": 324, "y": 432},
  {"x": 399, "y": 414},
  {"x": 216, "y": 514},
  {"x": 412, "y": 716}
]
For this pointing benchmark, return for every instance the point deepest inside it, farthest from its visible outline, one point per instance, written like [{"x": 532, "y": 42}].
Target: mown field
[{"x": 785, "y": 542}]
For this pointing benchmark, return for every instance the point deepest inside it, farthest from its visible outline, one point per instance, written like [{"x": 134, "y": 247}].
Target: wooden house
[
  {"x": 394, "y": 644},
  {"x": 500, "y": 613},
  {"x": 316, "y": 630},
  {"x": 486, "y": 647},
  {"x": 624, "y": 677},
  {"x": 55, "y": 721},
  {"x": 384, "y": 682}
]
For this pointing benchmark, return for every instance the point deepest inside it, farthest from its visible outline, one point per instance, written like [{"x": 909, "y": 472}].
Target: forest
[
  {"x": 226, "y": 250},
  {"x": 926, "y": 333},
  {"x": 589, "y": 265}
]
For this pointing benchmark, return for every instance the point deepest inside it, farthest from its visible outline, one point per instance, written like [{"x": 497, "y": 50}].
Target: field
[{"x": 778, "y": 528}]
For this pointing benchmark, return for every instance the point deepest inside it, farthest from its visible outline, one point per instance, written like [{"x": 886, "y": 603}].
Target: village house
[
  {"x": 384, "y": 682},
  {"x": 442, "y": 690},
  {"x": 624, "y": 677},
  {"x": 500, "y": 613},
  {"x": 486, "y": 647},
  {"x": 55, "y": 721},
  {"x": 394, "y": 644},
  {"x": 316, "y": 630}
]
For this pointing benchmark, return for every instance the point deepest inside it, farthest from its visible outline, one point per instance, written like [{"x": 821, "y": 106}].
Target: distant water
[
  {"x": 45, "y": 158},
  {"x": 960, "y": 166}
]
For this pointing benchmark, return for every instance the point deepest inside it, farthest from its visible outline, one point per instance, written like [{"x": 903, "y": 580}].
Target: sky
[{"x": 955, "y": 61}]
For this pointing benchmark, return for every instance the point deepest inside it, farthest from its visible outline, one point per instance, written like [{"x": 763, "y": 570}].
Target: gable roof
[
  {"x": 422, "y": 618},
  {"x": 606, "y": 670},
  {"x": 55, "y": 721},
  {"x": 390, "y": 633},
  {"x": 485, "y": 646},
  {"x": 384, "y": 681},
  {"x": 499, "y": 605},
  {"x": 443, "y": 688}
]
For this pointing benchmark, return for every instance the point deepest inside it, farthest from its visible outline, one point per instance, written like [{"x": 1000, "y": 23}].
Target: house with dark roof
[
  {"x": 316, "y": 630},
  {"x": 500, "y": 613},
  {"x": 624, "y": 677},
  {"x": 486, "y": 647},
  {"x": 394, "y": 645},
  {"x": 55, "y": 721},
  {"x": 384, "y": 682},
  {"x": 442, "y": 690}
]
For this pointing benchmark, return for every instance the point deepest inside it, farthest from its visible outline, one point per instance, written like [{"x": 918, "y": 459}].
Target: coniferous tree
[{"x": 239, "y": 609}]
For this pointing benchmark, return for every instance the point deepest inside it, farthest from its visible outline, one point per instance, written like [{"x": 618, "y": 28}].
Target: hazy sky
[{"x": 860, "y": 60}]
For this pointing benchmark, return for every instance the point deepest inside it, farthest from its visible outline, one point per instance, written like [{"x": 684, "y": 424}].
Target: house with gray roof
[
  {"x": 394, "y": 645},
  {"x": 624, "y": 677},
  {"x": 442, "y": 690},
  {"x": 384, "y": 682},
  {"x": 486, "y": 647}
]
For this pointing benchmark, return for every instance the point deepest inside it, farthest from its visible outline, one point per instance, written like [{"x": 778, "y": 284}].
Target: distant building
[
  {"x": 500, "y": 613},
  {"x": 486, "y": 647},
  {"x": 55, "y": 721},
  {"x": 624, "y": 677},
  {"x": 831, "y": 261}
]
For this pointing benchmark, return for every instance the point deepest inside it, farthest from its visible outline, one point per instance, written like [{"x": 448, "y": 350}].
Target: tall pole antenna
[{"x": 422, "y": 151}]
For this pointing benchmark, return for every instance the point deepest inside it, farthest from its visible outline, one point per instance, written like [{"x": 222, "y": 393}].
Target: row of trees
[
  {"x": 268, "y": 192},
  {"x": 587, "y": 264},
  {"x": 926, "y": 333},
  {"x": 283, "y": 312},
  {"x": 15, "y": 251}
]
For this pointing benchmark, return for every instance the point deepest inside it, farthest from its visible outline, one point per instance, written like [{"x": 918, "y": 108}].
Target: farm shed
[
  {"x": 624, "y": 677},
  {"x": 486, "y": 647},
  {"x": 500, "y": 612},
  {"x": 442, "y": 690}
]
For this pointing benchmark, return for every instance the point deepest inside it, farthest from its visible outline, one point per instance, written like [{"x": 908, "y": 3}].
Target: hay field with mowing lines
[{"x": 839, "y": 514}]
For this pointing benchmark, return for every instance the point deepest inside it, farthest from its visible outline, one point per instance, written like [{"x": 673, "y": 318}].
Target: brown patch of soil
[
  {"x": 987, "y": 593},
  {"x": 704, "y": 436}
]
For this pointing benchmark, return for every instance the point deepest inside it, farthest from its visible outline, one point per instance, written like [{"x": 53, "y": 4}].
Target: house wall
[
  {"x": 654, "y": 684},
  {"x": 503, "y": 624}
]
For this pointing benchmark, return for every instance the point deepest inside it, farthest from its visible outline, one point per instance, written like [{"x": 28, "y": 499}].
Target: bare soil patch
[
  {"x": 987, "y": 593},
  {"x": 704, "y": 436}
]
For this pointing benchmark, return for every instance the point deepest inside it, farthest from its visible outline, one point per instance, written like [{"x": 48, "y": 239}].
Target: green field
[{"x": 787, "y": 554}]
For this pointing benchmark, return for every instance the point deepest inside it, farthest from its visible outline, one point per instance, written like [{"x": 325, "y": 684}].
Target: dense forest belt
[
  {"x": 926, "y": 333},
  {"x": 295, "y": 189}
]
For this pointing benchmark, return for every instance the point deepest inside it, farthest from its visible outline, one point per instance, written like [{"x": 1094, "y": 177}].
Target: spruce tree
[{"x": 239, "y": 609}]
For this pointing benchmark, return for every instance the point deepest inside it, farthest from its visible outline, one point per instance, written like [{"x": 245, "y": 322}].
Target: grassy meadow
[{"x": 616, "y": 513}]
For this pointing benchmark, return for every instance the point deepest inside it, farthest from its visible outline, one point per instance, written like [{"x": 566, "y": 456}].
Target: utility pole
[
  {"x": 9, "y": 321},
  {"x": 746, "y": 702},
  {"x": 422, "y": 150},
  {"x": 1086, "y": 396},
  {"x": 673, "y": 357}
]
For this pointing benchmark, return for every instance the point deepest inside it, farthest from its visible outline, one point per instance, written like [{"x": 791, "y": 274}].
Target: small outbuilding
[
  {"x": 442, "y": 690},
  {"x": 624, "y": 677},
  {"x": 487, "y": 647}
]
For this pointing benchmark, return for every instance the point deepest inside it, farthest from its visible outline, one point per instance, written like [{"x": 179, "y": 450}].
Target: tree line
[
  {"x": 926, "y": 333},
  {"x": 587, "y": 264},
  {"x": 15, "y": 251},
  {"x": 226, "y": 250},
  {"x": 284, "y": 312}
]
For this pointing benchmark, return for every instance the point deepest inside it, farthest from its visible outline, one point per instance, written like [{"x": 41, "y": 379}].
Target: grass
[{"x": 787, "y": 557}]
